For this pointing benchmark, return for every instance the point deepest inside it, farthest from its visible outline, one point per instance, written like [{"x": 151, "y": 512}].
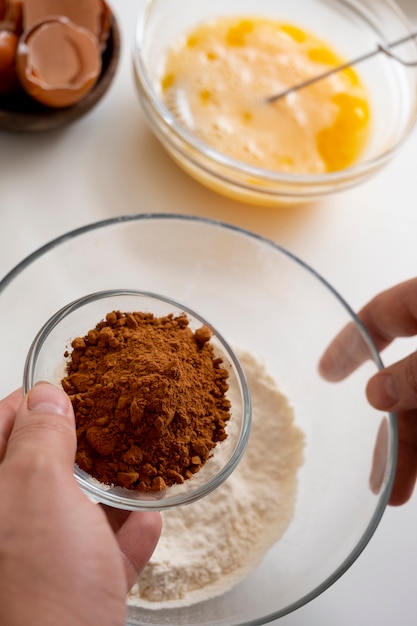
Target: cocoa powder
[{"x": 149, "y": 400}]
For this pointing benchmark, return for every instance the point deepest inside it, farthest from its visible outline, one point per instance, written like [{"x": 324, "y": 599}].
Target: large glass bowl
[
  {"x": 266, "y": 301},
  {"x": 352, "y": 27}
]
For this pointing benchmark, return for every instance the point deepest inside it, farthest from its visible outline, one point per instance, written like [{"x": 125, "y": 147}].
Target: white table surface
[{"x": 362, "y": 241}]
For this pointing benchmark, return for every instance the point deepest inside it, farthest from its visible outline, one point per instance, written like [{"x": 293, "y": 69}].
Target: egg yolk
[{"x": 218, "y": 78}]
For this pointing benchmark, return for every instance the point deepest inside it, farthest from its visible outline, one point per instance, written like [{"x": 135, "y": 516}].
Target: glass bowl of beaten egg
[
  {"x": 316, "y": 475},
  {"x": 205, "y": 71}
]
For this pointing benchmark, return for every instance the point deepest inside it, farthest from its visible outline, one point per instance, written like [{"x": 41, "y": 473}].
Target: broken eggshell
[
  {"x": 8, "y": 46},
  {"x": 20, "y": 113},
  {"x": 58, "y": 62},
  {"x": 105, "y": 24},
  {"x": 11, "y": 16},
  {"x": 85, "y": 13}
]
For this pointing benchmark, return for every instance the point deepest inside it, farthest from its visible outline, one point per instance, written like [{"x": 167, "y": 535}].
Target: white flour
[{"x": 209, "y": 546}]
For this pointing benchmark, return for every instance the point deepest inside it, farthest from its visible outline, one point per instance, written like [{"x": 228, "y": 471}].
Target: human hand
[
  {"x": 390, "y": 314},
  {"x": 63, "y": 559}
]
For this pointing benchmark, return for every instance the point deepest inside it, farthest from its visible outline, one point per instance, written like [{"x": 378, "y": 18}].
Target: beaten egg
[{"x": 216, "y": 81}]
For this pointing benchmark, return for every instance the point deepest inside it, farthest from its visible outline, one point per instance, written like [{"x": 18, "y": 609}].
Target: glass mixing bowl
[
  {"x": 46, "y": 361},
  {"x": 266, "y": 301},
  {"x": 351, "y": 27}
]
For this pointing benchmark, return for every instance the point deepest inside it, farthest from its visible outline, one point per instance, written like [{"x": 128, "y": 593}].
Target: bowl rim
[
  {"x": 154, "y": 106},
  {"x": 391, "y": 417},
  {"x": 123, "y": 498}
]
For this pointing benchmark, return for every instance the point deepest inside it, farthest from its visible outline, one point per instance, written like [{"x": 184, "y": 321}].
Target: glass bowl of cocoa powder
[{"x": 161, "y": 402}]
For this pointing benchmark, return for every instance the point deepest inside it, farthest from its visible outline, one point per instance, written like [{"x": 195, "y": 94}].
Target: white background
[{"x": 362, "y": 241}]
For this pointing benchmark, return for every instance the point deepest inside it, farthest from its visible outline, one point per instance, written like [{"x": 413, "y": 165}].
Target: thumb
[
  {"x": 395, "y": 387},
  {"x": 44, "y": 428}
]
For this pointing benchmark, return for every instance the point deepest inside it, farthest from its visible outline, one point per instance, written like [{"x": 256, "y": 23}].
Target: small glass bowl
[
  {"x": 46, "y": 362},
  {"x": 352, "y": 27}
]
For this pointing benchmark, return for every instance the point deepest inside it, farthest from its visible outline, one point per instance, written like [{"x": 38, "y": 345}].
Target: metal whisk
[{"x": 384, "y": 48}]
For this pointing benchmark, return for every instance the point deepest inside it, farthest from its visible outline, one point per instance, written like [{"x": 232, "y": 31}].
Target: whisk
[{"x": 384, "y": 48}]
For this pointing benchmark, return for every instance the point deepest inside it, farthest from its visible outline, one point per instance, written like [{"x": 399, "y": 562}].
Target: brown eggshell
[
  {"x": 105, "y": 24},
  {"x": 13, "y": 15},
  {"x": 85, "y": 13},
  {"x": 58, "y": 62},
  {"x": 9, "y": 82},
  {"x": 8, "y": 47}
]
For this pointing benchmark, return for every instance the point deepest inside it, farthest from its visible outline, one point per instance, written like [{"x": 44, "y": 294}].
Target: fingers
[
  {"x": 115, "y": 517},
  {"x": 8, "y": 410},
  {"x": 137, "y": 539},
  {"x": 344, "y": 354},
  {"x": 395, "y": 387},
  {"x": 406, "y": 472},
  {"x": 391, "y": 314},
  {"x": 44, "y": 429},
  {"x": 380, "y": 458}
]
